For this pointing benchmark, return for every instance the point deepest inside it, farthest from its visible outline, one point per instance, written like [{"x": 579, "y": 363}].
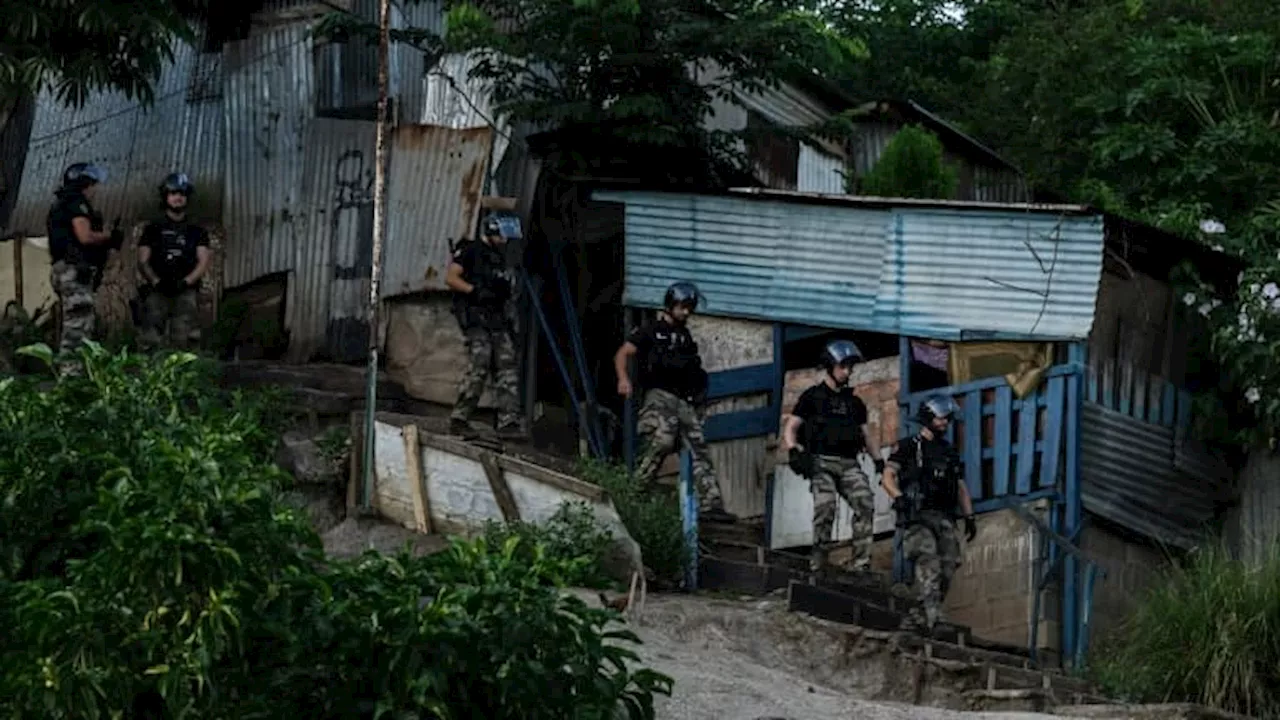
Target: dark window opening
[
  {"x": 806, "y": 353},
  {"x": 231, "y": 23}
]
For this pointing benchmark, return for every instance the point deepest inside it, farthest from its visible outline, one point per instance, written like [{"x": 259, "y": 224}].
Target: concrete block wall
[{"x": 1131, "y": 567}]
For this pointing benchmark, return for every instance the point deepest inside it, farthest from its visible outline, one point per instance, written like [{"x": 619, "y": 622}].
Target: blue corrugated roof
[{"x": 949, "y": 271}]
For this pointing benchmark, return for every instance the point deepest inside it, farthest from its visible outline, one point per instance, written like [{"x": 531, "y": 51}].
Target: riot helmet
[
  {"x": 177, "y": 183},
  {"x": 840, "y": 352},
  {"x": 937, "y": 406},
  {"x": 682, "y": 293},
  {"x": 79, "y": 176}
]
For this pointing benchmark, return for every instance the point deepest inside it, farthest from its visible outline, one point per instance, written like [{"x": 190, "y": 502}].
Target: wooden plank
[
  {"x": 1026, "y": 461},
  {"x": 1053, "y": 429},
  {"x": 1154, "y": 391},
  {"x": 501, "y": 490},
  {"x": 1140, "y": 380},
  {"x": 740, "y": 424},
  {"x": 417, "y": 483},
  {"x": 1184, "y": 411},
  {"x": 1003, "y": 443},
  {"x": 973, "y": 443},
  {"x": 1091, "y": 384},
  {"x": 1124, "y": 392},
  {"x": 838, "y": 607},
  {"x": 740, "y": 381},
  {"x": 1108, "y": 394},
  {"x": 454, "y": 446},
  {"x": 494, "y": 202}
]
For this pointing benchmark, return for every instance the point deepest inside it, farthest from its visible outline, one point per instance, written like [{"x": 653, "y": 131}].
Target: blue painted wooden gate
[{"x": 1015, "y": 451}]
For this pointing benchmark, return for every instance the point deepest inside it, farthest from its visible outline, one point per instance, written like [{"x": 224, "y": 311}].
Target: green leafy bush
[
  {"x": 1208, "y": 633},
  {"x": 572, "y": 537},
  {"x": 911, "y": 166},
  {"x": 652, "y": 518},
  {"x": 148, "y": 569}
]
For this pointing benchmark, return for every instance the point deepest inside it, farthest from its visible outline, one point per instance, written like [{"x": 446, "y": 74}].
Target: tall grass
[
  {"x": 1208, "y": 632},
  {"x": 652, "y": 518}
]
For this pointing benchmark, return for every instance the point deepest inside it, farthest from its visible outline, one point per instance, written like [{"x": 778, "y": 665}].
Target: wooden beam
[
  {"x": 501, "y": 490},
  {"x": 417, "y": 481},
  {"x": 509, "y": 463},
  {"x": 492, "y": 202}
]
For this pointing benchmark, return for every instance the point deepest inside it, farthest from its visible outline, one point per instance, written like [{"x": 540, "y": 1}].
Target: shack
[{"x": 1026, "y": 314}]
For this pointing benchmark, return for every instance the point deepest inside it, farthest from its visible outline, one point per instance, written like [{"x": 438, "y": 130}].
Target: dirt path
[{"x": 751, "y": 660}]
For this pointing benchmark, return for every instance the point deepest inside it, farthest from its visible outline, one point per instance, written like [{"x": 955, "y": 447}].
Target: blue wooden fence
[{"x": 1016, "y": 451}]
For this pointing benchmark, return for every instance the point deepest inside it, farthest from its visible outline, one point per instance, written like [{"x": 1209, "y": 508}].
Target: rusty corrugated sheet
[
  {"x": 269, "y": 103},
  {"x": 138, "y": 146},
  {"x": 1128, "y": 477},
  {"x": 330, "y": 287},
  {"x": 433, "y": 198}
]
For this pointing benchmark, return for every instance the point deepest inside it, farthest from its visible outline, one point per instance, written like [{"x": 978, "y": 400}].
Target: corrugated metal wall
[
  {"x": 934, "y": 273},
  {"x": 138, "y": 148},
  {"x": 819, "y": 171},
  {"x": 434, "y": 186},
  {"x": 329, "y": 289},
  {"x": 269, "y": 102},
  {"x": 1016, "y": 274},
  {"x": 1128, "y": 477}
]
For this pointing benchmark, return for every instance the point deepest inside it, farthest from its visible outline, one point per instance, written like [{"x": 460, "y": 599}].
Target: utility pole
[{"x": 379, "y": 233}]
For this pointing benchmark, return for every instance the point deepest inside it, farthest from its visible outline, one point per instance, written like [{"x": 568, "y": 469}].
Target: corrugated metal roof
[
  {"x": 433, "y": 198},
  {"x": 137, "y": 147},
  {"x": 755, "y": 259},
  {"x": 269, "y": 102},
  {"x": 972, "y": 275},
  {"x": 1128, "y": 477},
  {"x": 868, "y": 266},
  {"x": 886, "y": 202}
]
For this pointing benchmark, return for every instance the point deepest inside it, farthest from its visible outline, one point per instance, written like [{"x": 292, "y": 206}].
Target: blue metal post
[
  {"x": 689, "y": 516},
  {"x": 1073, "y": 511},
  {"x": 580, "y": 359},
  {"x": 902, "y": 570},
  {"x": 555, "y": 351}
]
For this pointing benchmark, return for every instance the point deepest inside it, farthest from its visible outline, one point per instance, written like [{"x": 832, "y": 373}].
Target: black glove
[
  {"x": 117, "y": 238},
  {"x": 970, "y": 528},
  {"x": 879, "y": 465},
  {"x": 802, "y": 463}
]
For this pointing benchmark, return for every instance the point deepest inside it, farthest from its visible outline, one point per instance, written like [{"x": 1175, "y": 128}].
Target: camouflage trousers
[
  {"x": 932, "y": 545},
  {"x": 75, "y": 293},
  {"x": 491, "y": 354},
  {"x": 665, "y": 422},
  {"x": 172, "y": 321},
  {"x": 843, "y": 477}
]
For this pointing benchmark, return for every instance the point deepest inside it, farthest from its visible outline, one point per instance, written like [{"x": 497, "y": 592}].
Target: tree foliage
[
  {"x": 1166, "y": 111},
  {"x": 911, "y": 166},
  {"x": 77, "y": 47},
  {"x": 644, "y": 73},
  {"x": 148, "y": 569}
]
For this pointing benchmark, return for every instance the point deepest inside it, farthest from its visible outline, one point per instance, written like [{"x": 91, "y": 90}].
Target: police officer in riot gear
[
  {"x": 78, "y": 248},
  {"x": 675, "y": 384},
  {"x": 173, "y": 255},
  {"x": 483, "y": 287},
  {"x": 836, "y": 434},
  {"x": 925, "y": 480}
]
